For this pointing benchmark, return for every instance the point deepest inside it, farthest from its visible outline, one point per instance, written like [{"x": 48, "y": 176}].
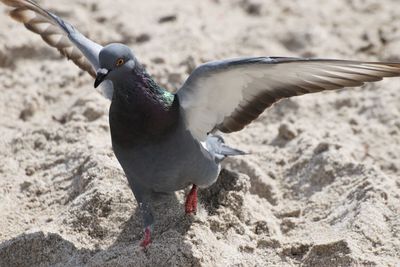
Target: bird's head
[{"x": 115, "y": 61}]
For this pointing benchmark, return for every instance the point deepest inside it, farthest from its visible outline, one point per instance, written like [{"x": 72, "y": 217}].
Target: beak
[{"x": 100, "y": 76}]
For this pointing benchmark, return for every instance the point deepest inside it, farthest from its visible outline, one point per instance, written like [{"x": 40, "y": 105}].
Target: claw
[
  {"x": 147, "y": 238},
  {"x": 191, "y": 201}
]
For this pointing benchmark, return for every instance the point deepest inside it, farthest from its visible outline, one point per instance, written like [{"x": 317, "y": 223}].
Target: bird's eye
[{"x": 119, "y": 62}]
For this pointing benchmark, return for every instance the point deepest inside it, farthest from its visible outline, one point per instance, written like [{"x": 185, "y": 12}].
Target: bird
[{"x": 166, "y": 141}]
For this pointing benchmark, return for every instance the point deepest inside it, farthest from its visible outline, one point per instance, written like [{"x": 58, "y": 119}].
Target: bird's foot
[
  {"x": 191, "y": 201},
  {"x": 147, "y": 238}
]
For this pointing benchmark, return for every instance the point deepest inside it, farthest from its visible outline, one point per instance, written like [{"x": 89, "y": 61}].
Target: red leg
[
  {"x": 147, "y": 238},
  {"x": 191, "y": 201}
]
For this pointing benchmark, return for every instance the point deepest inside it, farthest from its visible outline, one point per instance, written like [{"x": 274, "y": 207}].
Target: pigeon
[{"x": 169, "y": 141}]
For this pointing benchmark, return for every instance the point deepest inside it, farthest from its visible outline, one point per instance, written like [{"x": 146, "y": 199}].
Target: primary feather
[{"x": 60, "y": 35}]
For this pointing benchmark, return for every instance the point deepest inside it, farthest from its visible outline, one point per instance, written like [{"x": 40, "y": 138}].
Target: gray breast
[{"x": 170, "y": 164}]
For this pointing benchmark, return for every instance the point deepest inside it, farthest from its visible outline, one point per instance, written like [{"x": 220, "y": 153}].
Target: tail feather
[{"x": 215, "y": 144}]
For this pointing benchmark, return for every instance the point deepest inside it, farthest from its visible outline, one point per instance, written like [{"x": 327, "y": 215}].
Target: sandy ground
[{"x": 321, "y": 187}]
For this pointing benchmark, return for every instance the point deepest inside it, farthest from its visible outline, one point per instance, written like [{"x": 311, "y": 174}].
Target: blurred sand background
[{"x": 321, "y": 187}]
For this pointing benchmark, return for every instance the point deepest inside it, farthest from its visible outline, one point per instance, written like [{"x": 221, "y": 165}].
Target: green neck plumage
[{"x": 166, "y": 97}]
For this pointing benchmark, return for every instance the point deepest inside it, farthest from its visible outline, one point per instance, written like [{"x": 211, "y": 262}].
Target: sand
[{"x": 320, "y": 188}]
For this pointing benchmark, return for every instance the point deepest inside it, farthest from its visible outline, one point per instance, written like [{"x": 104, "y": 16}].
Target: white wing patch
[{"x": 204, "y": 112}]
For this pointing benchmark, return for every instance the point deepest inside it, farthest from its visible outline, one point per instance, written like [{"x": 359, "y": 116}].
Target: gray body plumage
[
  {"x": 149, "y": 135},
  {"x": 167, "y": 165}
]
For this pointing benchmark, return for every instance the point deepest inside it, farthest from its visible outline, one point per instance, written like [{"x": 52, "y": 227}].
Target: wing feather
[
  {"x": 227, "y": 95},
  {"x": 60, "y": 35}
]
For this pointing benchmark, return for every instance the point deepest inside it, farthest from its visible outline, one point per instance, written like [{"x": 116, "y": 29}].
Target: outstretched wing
[
  {"x": 59, "y": 34},
  {"x": 227, "y": 95}
]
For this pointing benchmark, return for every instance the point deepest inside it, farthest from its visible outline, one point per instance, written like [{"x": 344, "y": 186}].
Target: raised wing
[
  {"x": 61, "y": 35},
  {"x": 227, "y": 95}
]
